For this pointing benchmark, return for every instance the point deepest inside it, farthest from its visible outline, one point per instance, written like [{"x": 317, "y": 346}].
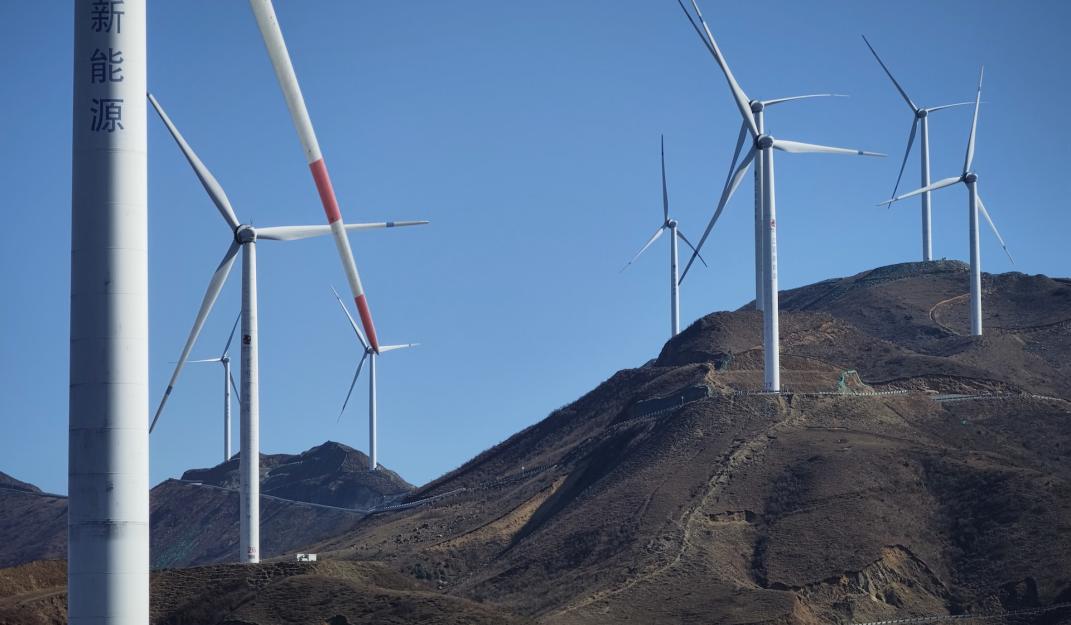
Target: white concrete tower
[{"x": 108, "y": 465}]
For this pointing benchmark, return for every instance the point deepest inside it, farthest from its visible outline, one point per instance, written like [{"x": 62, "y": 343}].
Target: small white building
[{"x": 306, "y": 557}]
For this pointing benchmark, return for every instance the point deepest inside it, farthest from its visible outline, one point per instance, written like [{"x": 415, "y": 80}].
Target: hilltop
[{"x": 332, "y": 474}]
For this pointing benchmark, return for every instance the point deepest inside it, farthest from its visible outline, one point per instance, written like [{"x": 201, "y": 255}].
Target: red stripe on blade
[
  {"x": 327, "y": 192},
  {"x": 366, "y": 321}
]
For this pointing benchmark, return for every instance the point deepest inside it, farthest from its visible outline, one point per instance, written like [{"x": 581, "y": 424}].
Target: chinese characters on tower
[
  {"x": 107, "y": 114},
  {"x": 106, "y": 66},
  {"x": 107, "y": 15}
]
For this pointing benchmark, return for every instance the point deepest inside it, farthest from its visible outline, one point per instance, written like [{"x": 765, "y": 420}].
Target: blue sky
[{"x": 528, "y": 133}]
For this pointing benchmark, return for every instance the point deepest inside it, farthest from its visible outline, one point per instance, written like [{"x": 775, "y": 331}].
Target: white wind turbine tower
[
  {"x": 671, "y": 225},
  {"x": 974, "y": 204},
  {"x": 244, "y": 237},
  {"x": 108, "y": 445},
  {"x": 372, "y": 356},
  {"x": 921, "y": 119},
  {"x": 228, "y": 383},
  {"x": 763, "y": 146}
]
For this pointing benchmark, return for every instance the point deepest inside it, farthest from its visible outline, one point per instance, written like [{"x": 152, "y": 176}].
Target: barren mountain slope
[
  {"x": 33, "y": 524},
  {"x": 871, "y": 490}
]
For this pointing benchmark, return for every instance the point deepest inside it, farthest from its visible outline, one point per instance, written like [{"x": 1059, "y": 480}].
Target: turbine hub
[
  {"x": 225, "y": 359},
  {"x": 764, "y": 142},
  {"x": 245, "y": 234},
  {"x": 757, "y": 106},
  {"x": 922, "y": 113},
  {"x": 672, "y": 223},
  {"x": 970, "y": 177}
]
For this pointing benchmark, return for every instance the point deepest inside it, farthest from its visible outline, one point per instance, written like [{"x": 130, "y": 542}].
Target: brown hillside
[
  {"x": 290, "y": 592},
  {"x": 830, "y": 503}
]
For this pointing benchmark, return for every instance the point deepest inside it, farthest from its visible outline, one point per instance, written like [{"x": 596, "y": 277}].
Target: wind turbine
[
  {"x": 671, "y": 225},
  {"x": 758, "y": 109},
  {"x": 268, "y": 24},
  {"x": 228, "y": 383},
  {"x": 372, "y": 356},
  {"x": 974, "y": 204},
  {"x": 763, "y": 145},
  {"x": 244, "y": 237},
  {"x": 921, "y": 119}
]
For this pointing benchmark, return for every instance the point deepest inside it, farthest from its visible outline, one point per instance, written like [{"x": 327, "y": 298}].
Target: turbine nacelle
[
  {"x": 970, "y": 177},
  {"x": 922, "y": 113},
  {"x": 245, "y": 234},
  {"x": 764, "y": 142},
  {"x": 671, "y": 223},
  {"x": 757, "y": 106}
]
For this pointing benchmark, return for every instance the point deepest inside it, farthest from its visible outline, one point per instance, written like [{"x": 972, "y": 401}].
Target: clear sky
[{"x": 528, "y": 133}]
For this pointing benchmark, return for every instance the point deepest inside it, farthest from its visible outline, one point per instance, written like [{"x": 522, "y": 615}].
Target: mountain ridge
[{"x": 332, "y": 476}]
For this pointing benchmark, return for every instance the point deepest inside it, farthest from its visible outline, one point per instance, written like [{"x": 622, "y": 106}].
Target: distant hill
[
  {"x": 33, "y": 525},
  {"x": 9, "y": 483},
  {"x": 330, "y": 474}
]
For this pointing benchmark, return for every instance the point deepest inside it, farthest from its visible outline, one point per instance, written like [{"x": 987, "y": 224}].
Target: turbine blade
[
  {"x": 969, "y": 160},
  {"x": 391, "y": 348},
  {"x": 268, "y": 24},
  {"x": 237, "y": 394},
  {"x": 947, "y": 106},
  {"x": 695, "y": 251},
  {"x": 215, "y": 285},
  {"x": 293, "y": 233},
  {"x": 643, "y": 249},
  {"x": 795, "y": 147},
  {"x": 227, "y": 347},
  {"x": 356, "y": 374},
  {"x": 940, "y": 184},
  {"x": 665, "y": 192},
  {"x": 353, "y": 324},
  {"x": 736, "y": 152},
  {"x": 208, "y": 181},
  {"x": 802, "y": 97},
  {"x": 889, "y": 74},
  {"x": 992, "y": 225},
  {"x": 742, "y": 101},
  {"x": 726, "y": 193},
  {"x": 907, "y": 152},
  {"x": 204, "y": 360}
]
